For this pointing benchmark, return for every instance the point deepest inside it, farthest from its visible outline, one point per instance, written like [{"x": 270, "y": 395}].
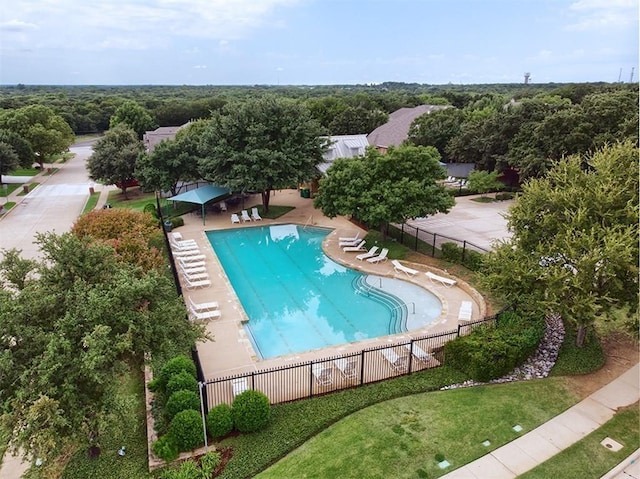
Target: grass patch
[
  {"x": 91, "y": 202},
  {"x": 589, "y": 458},
  {"x": 401, "y": 438},
  {"x": 396, "y": 249},
  {"x": 32, "y": 186},
  {"x": 275, "y": 211},
  {"x": 573, "y": 360},
  {"x": 24, "y": 172},
  {"x": 9, "y": 188},
  {"x": 8, "y": 205},
  {"x": 483, "y": 199},
  {"x": 136, "y": 199},
  {"x": 127, "y": 427}
]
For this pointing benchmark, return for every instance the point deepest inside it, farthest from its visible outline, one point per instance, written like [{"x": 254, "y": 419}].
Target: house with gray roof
[
  {"x": 396, "y": 130},
  {"x": 343, "y": 146},
  {"x": 152, "y": 138}
]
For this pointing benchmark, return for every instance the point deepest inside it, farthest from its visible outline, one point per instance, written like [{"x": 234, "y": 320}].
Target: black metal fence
[
  {"x": 322, "y": 376},
  {"x": 428, "y": 243}
]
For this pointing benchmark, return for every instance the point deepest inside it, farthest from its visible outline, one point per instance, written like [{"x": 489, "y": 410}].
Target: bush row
[
  {"x": 491, "y": 351},
  {"x": 454, "y": 253}
]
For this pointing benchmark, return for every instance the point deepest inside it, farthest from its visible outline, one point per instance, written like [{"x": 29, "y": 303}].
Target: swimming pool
[{"x": 298, "y": 299}]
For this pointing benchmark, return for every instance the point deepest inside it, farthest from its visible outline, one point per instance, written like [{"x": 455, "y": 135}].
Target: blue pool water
[{"x": 296, "y": 298}]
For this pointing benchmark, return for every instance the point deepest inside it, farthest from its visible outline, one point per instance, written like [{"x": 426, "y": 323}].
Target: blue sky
[{"x": 306, "y": 42}]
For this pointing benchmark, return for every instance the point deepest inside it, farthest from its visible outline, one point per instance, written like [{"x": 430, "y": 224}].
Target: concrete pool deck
[{"x": 231, "y": 351}]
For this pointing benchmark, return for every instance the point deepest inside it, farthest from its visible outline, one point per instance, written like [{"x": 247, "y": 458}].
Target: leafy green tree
[
  {"x": 260, "y": 145},
  {"x": 69, "y": 332},
  {"x": 385, "y": 188},
  {"x": 484, "y": 181},
  {"x": 575, "y": 239},
  {"x": 46, "y": 132},
  {"x": 114, "y": 157},
  {"x": 171, "y": 161},
  {"x": 357, "y": 120},
  {"x": 436, "y": 129},
  {"x": 133, "y": 116},
  {"x": 20, "y": 146},
  {"x": 8, "y": 159}
]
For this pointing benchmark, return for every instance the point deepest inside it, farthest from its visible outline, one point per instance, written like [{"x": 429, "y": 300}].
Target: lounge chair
[
  {"x": 188, "y": 269},
  {"x": 223, "y": 206},
  {"x": 184, "y": 247},
  {"x": 350, "y": 239},
  {"x": 239, "y": 385},
  {"x": 203, "y": 315},
  {"x": 234, "y": 218},
  {"x": 208, "y": 306},
  {"x": 323, "y": 374},
  {"x": 400, "y": 268},
  {"x": 381, "y": 257},
  {"x": 348, "y": 367},
  {"x": 466, "y": 310},
  {"x": 189, "y": 285},
  {"x": 357, "y": 247},
  {"x": 195, "y": 276},
  {"x": 397, "y": 362},
  {"x": 349, "y": 242},
  {"x": 186, "y": 253},
  {"x": 245, "y": 216},
  {"x": 192, "y": 264},
  {"x": 421, "y": 355},
  {"x": 445, "y": 281},
  {"x": 255, "y": 216},
  {"x": 369, "y": 254},
  {"x": 197, "y": 258}
]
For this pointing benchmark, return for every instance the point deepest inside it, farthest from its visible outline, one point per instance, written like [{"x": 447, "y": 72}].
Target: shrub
[
  {"x": 219, "y": 421},
  {"x": 176, "y": 221},
  {"x": 491, "y": 351},
  {"x": 186, "y": 430},
  {"x": 165, "y": 448},
  {"x": 473, "y": 260},
  {"x": 181, "y": 381},
  {"x": 210, "y": 462},
  {"x": 181, "y": 401},
  {"x": 504, "y": 196},
  {"x": 151, "y": 209},
  {"x": 174, "y": 366},
  {"x": 451, "y": 252},
  {"x": 251, "y": 411}
]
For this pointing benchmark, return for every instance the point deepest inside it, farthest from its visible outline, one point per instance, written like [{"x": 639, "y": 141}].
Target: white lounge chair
[
  {"x": 369, "y": 254},
  {"x": 197, "y": 258},
  {"x": 351, "y": 239},
  {"x": 466, "y": 310},
  {"x": 323, "y": 374},
  {"x": 399, "y": 267},
  {"x": 186, "y": 253},
  {"x": 188, "y": 269},
  {"x": 234, "y": 218},
  {"x": 396, "y": 361},
  {"x": 255, "y": 216},
  {"x": 245, "y": 216},
  {"x": 178, "y": 248},
  {"x": 223, "y": 206},
  {"x": 239, "y": 385},
  {"x": 348, "y": 367},
  {"x": 192, "y": 264},
  {"x": 203, "y": 315},
  {"x": 189, "y": 285},
  {"x": 381, "y": 257},
  {"x": 421, "y": 355},
  {"x": 357, "y": 247},
  {"x": 445, "y": 281},
  {"x": 208, "y": 306},
  {"x": 195, "y": 276}
]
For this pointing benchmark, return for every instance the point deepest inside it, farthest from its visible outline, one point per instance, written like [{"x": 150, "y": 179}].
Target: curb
[{"x": 619, "y": 469}]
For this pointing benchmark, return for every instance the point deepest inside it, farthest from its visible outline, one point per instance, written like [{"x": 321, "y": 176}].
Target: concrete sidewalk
[{"x": 544, "y": 442}]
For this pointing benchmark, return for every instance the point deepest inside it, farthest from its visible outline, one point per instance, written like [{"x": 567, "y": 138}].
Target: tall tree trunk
[
  {"x": 581, "y": 336},
  {"x": 384, "y": 231},
  {"x": 266, "y": 195}
]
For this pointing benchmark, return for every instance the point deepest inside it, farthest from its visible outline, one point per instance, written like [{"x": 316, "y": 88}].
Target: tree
[
  {"x": 70, "y": 330},
  {"x": 483, "y": 181},
  {"x": 385, "y": 188},
  {"x": 46, "y": 132},
  {"x": 171, "y": 161},
  {"x": 260, "y": 145},
  {"x": 8, "y": 159},
  {"x": 436, "y": 129},
  {"x": 114, "y": 157},
  {"x": 20, "y": 146},
  {"x": 575, "y": 239},
  {"x": 134, "y": 116}
]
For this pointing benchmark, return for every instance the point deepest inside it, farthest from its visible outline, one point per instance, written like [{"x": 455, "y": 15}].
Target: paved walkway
[{"x": 547, "y": 440}]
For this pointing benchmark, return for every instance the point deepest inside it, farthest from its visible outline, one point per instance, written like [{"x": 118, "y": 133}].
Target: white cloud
[
  {"x": 17, "y": 26},
  {"x": 589, "y": 15}
]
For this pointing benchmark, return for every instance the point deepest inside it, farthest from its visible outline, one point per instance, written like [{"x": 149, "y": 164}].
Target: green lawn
[
  {"x": 32, "y": 186},
  {"x": 590, "y": 459},
  {"x": 402, "y": 437},
  {"x": 24, "y": 172},
  {"x": 136, "y": 199},
  {"x": 91, "y": 202},
  {"x": 8, "y": 188}
]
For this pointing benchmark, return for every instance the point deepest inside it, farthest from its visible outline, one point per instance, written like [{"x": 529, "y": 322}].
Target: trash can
[
  {"x": 305, "y": 193},
  {"x": 168, "y": 226}
]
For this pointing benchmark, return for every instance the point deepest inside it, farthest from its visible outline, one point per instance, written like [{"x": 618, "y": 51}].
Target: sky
[{"x": 316, "y": 42}]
